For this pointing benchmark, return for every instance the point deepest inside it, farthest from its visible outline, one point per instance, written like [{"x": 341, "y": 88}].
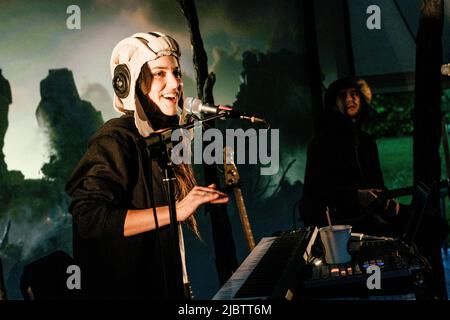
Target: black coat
[
  {"x": 109, "y": 180},
  {"x": 340, "y": 160}
]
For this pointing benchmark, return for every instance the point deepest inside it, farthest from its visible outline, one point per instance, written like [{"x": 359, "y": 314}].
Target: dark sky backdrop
[{"x": 35, "y": 39}]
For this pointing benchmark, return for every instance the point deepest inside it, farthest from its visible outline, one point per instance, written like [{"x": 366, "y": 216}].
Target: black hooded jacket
[
  {"x": 340, "y": 160},
  {"x": 112, "y": 177}
]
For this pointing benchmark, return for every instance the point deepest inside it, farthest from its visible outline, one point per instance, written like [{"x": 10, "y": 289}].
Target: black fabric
[
  {"x": 45, "y": 278},
  {"x": 340, "y": 160},
  {"x": 109, "y": 180}
]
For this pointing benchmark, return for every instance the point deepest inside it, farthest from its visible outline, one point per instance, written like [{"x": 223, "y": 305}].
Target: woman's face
[
  {"x": 348, "y": 102},
  {"x": 166, "y": 84}
]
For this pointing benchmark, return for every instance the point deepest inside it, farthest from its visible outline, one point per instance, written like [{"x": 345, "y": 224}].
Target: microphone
[
  {"x": 445, "y": 69},
  {"x": 197, "y": 107}
]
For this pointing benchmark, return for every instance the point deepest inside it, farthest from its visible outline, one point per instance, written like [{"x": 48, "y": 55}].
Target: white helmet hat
[{"x": 127, "y": 59}]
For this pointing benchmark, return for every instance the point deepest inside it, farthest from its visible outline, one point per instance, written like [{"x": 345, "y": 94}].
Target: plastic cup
[{"x": 335, "y": 243}]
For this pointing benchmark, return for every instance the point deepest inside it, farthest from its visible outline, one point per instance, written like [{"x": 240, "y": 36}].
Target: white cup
[{"x": 335, "y": 243}]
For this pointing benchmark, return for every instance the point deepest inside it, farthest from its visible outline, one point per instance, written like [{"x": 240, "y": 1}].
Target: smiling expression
[
  {"x": 348, "y": 102},
  {"x": 166, "y": 85}
]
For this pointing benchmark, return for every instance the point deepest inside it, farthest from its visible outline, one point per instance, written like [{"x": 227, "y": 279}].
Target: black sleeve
[
  {"x": 346, "y": 196},
  {"x": 98, "y": 188},
  {"x": 313, "y": 203},
  {"x": 322, "y": 187}
]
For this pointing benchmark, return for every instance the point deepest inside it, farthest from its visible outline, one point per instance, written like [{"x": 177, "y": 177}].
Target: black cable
[
  {"x": 424, "y": 287},
  {"x": 416, "y": 256},
  {"x": 157, "y": 229}
]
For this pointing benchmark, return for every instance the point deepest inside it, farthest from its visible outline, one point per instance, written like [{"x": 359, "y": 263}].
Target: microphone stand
[{"x": 160, "y": 147}]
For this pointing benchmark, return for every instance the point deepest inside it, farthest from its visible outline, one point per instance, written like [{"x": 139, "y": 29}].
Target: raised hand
[{"x": 198, "y": 196}]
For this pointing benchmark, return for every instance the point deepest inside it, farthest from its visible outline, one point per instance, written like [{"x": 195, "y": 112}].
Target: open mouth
[{"x": 170, "y": 97}]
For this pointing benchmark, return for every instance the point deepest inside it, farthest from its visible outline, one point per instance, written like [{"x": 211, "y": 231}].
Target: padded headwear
[{"x": 127, "y": 59}]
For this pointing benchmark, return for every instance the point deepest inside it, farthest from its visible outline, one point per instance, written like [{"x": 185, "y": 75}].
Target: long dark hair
[{"x": 183, "y": 172}]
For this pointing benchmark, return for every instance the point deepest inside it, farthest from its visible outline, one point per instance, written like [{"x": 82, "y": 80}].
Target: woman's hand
[
  {"x": 198, "y": 196},
  {"x": 366, "y": 197},
  {"x": 372, "y": 198},
  {"x": 392, "y": 207}
]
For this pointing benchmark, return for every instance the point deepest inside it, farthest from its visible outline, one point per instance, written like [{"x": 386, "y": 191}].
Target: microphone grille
[{"x": 192, "y": 105}]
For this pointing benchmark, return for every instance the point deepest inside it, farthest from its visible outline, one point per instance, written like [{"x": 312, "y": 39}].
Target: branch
[
  {"x": 284, "y": 176},
  {"x": 199, "y": 54},
  {"x": 208, "y": 88}
]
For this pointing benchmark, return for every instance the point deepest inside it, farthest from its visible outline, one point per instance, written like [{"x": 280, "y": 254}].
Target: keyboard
[{"x": 272, "y": 270}]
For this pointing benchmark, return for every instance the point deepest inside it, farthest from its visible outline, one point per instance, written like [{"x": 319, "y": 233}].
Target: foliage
[
  {"x": 275, "y": 86},
  {"x": 390, "y": 115},
  {"x": 37, "y": 208},
  {"x": 445, "y": 102}
]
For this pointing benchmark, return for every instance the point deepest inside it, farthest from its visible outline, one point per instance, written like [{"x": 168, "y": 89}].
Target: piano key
[
  {"x": 230, "y": 288},
  {"x": 264, "y": 272}
]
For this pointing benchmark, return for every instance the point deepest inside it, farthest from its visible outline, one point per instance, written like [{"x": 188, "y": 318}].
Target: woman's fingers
[
  {"x": 211, "y": 189},
  {"x": 206, "y": 190},
  {"x": 220, "y": 200},
  {"x": 392, "y": 206},
  {"x": 212, "y": 196},
  {"x": 373, "y": 194},
  {"x": 198, "y": 196}
]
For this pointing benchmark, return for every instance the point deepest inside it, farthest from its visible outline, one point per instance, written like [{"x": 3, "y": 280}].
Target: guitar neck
[
  {"x": 244, "y": 218},
  {"x": 400, "y": 192},
  {"x": 396, "y": 193},
  {"x": 188, "y": 294},
  {"x": 232, "y": 179}
]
